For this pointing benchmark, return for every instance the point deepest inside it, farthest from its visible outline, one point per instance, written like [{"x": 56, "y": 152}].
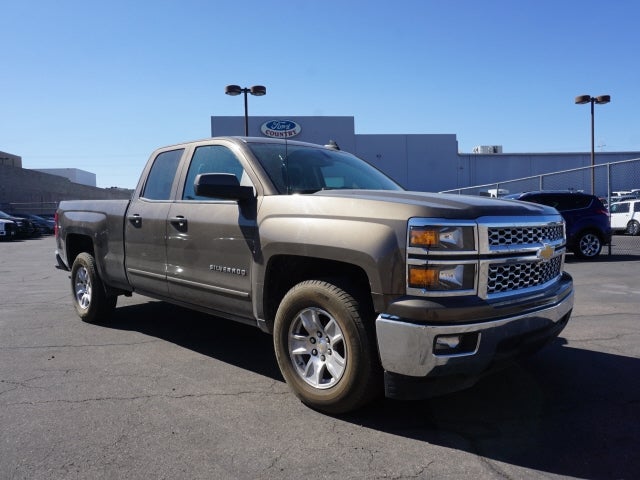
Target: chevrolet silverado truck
[{"x": 365, "y": 287}]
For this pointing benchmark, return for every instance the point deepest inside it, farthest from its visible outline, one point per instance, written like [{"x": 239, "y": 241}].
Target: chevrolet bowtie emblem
[{"x": 546, "y": 252}]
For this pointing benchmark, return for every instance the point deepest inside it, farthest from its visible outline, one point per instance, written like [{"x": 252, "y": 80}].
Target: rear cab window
[{"x": 161, "y": 176}]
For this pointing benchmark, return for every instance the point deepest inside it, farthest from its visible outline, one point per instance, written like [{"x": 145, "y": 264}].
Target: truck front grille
[
  {"x": 525, "y": 235},
  {"x": 510, "y": 277},
  {"x": 509, "y": 255}
]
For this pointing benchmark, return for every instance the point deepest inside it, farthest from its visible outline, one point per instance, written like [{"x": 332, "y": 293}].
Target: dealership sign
[{"x": 280, "y": 129}]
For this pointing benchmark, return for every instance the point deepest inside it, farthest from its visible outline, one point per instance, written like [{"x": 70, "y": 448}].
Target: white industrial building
[
  {"x": 424, "y": 162},
  {"x": 74, "y": 175}
]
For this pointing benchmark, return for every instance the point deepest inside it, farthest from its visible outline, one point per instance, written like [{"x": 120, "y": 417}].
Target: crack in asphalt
[
  {"x": 147, "y": 397},
  {"x": 85, "y": 345}
]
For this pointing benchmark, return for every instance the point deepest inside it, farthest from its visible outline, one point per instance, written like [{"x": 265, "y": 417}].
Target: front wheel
[
  {"x": 589, "y": 245},
  {"x": 325, "y": 348},
  {"x": 633, "y": 228},
  {"x": 89, "y": 297}
]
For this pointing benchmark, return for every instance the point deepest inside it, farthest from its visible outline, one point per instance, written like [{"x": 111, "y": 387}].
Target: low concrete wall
[{"x": 23, "y": 190}]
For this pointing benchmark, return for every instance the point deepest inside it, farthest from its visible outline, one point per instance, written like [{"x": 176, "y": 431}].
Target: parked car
[
  {"x": 625, "y": 217},
  {"x": 624, "y": 198},
  {"x": 620, "y": 193},
  {"x": 7, "y": 229},
  {"x": 25, "y": 229},
  {"x": 45, "y": 225},
  {"x": 587, "y": 219}
]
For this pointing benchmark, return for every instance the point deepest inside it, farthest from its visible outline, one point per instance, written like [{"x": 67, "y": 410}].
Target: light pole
[
  {"x": 581, "y": 100},
  {"x": 257, "y": 90}
]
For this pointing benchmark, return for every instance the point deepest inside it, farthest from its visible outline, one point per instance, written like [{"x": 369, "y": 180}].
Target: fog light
[
  {"x": 447, "y": 342},
  {"x": 462, "y": 344}
]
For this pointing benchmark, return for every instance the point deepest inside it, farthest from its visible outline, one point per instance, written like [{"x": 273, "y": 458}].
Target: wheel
[
  {"x": 633, "y": 228},
  {"x": 89, "y": 297},
  {"x": 325, "y": 349},
  {"x": 589, "y": 245}
]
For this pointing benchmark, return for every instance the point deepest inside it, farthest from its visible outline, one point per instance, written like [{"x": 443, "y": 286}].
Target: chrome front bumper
[{"x": 430, "y": 350}]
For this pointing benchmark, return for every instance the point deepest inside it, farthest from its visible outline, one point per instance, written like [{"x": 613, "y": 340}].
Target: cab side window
[
  {"x": 210, "y": 159},
  {"x": 161, "y": 175}
]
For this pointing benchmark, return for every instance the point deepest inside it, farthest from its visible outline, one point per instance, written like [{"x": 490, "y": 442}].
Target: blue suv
[{"x": 587, "y": 219}]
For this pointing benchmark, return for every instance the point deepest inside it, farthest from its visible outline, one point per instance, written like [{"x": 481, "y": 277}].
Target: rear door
[
  {"x": 211, "y": 242},
  {"x": 146, "y": 225}
]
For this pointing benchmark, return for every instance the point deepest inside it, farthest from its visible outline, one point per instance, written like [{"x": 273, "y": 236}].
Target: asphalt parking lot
[{"x": 161, "y": 392}]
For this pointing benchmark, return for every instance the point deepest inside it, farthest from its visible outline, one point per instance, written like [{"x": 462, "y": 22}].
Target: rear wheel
[
  {"x": 633, "y": 228},
  {"x": 89, "y": 297},
  {"x": 325, "y": 348},
  {"x": 589, "y": 245}
]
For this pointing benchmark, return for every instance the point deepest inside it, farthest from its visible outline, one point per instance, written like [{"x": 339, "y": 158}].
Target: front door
[{"x": 211, "y": 242}]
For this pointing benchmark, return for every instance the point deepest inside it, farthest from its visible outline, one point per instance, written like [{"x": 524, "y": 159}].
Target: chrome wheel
[
  {"x": 82, "y": 284},
  {"x": 317, "y": 348},
  {"x": 89, "y": 296},
  {"x": 589, "y": 245},
  {"x": 633, "y": 228},
  {"x": 325, "y": 350}
]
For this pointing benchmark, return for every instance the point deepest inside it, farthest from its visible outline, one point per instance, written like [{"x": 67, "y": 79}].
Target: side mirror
[{"x": 221, "y": 185}]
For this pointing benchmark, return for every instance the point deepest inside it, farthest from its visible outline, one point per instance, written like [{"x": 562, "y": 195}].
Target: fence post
[{"x": 609, "y": 200}]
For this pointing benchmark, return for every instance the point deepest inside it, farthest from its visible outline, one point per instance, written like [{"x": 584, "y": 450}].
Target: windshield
[{"x": 308, "y": 169}]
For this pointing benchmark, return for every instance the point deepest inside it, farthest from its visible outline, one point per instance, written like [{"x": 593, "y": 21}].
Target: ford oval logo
[{"x": 280, "y": 129}]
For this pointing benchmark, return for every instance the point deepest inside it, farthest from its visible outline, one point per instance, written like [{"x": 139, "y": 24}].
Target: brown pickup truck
[{"x": 362, "y": 284}]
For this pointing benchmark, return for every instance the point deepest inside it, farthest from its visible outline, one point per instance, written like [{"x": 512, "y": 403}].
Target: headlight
[
  {"x": 442, "y": 277},
  {"x": 442, "y": 237}
]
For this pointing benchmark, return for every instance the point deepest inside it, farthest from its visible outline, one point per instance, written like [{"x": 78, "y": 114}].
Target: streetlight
[
  {"x": 257, "y": 90},
  {"x": 581, "y": 100}
]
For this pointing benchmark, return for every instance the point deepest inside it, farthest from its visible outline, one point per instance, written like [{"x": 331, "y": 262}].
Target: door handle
[
  {"x": 179, "y": 223},
  {"x": 135, "y": 220}
]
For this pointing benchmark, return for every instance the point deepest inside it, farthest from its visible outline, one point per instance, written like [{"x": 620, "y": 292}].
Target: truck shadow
[
  {"x": 566, "y": 411},
  {"x": 201, "y": 333}
]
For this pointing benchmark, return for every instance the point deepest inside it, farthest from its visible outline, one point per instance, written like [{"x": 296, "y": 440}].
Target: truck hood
[{"x": 444, "y": 205}]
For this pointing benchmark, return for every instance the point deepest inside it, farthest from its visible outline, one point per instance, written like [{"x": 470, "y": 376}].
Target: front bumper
[{"x": 414, "y": 354}]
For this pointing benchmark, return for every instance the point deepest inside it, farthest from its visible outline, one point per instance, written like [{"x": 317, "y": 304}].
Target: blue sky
[{"x": 99, "y": 85}]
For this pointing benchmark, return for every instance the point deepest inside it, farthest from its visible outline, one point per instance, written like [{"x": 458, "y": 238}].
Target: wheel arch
[
  {"x": 284, "y": 271},
  {"x": 76, "y": 244}
]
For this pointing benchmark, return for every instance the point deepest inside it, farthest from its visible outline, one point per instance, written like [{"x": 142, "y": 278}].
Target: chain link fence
[{"x": 612, "y": 182}]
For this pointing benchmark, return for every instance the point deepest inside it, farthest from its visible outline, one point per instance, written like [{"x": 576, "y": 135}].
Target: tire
[
  {"x": 90, "y": 300},
  {"x": 325, "y": 348},
  {"x": 589, "y": 245},
  {"x": 633, "y": 228}
]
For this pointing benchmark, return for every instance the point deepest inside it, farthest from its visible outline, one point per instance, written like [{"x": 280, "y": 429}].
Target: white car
[
  {"x": 7, "y": 229},
  {"x": 625, "y": 216}
]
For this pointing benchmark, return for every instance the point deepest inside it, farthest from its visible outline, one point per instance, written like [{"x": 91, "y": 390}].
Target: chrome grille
[
  {"x": 506, "y": 235},
  {"x": 509, "y": 277}
]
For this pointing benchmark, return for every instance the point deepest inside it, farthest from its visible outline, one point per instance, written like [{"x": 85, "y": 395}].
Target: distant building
[
  {"x": 9, "y": 160},
  {"x": 39, "y": 191},
  {"x": 423, "y": 162},
  {"x": 73, "y": 174}
]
